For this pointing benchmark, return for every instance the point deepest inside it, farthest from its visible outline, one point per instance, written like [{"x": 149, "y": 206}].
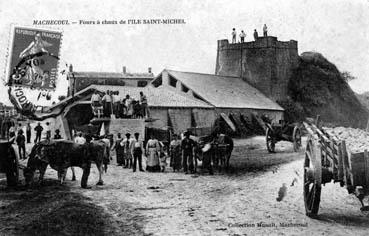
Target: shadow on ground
[
  {"x": 345, "y": 220},
  {"x": 52, "y": 209}
]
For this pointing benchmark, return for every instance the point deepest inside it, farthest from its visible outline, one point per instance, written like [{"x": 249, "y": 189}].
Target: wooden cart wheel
[
  {"x": 12, "y": 172},
  {"x": 296, "y": 137},
  {"x": 312, "y": 178},
  {"x": 270, "y": 141}
]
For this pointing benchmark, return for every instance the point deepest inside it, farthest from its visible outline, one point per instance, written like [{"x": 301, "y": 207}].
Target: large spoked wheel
[
  {"x": 312, "y": 179},
  {"x": 12, "y": 173},
  {"x": 296, "y": 137},
  {"x": 270, "y": 141}
]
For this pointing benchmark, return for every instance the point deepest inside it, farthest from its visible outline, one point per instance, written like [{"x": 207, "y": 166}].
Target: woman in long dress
[
  {"x": 153, "y": 148},
  {"x": 175, "y": 153}
]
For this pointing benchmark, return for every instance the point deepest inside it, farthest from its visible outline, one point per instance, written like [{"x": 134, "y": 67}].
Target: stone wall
[{"x": 266, "y": 64}]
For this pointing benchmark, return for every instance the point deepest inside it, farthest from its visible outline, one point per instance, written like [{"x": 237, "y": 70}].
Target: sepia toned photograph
[{"x": 186, "y": 117}]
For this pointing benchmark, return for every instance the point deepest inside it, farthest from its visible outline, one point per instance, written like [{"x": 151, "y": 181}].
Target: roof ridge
[{"x": 199, "y": 73}]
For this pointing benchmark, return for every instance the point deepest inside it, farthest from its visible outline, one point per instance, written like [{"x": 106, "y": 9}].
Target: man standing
[
  {"x": 265, "y": 30},
  {"x": 28, "y": 132},
  {"x": 48, "y": 131},
  {"x": 21, "y": 142},
  {"x": 116, "y": 103},
  {"x": 19, "y": 127},
  {"x": 234, "y": 35},
  {"x": 256, "y": 36},
  {"x": 137, "y": 149},
  {"x": 107, "y": 103},
  {"x": 129, "y": 106},
  {"x": 126, "y": 144},
  {"x": 95, "y": 99},
  {"x": 38, "y": 130},
  {"x": 144, "y": 105},
  {"x": 188, "y": 146},
  {"x": 242, "y": 36},
  {"x": 95, "y": 103},
  {"x": 118, "y": 150}
]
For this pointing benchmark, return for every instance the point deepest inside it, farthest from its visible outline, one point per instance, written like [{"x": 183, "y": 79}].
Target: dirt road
[{"x": 239, "y": 203}]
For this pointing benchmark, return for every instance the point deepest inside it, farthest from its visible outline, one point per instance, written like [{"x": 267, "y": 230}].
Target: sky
[{"x": 338, "y": 29}]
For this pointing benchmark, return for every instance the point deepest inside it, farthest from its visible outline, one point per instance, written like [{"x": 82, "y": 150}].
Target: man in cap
[
  {"x": 21, "y": 142},
  {"x": 188, "y": 146},
  {"x": 137, "y": 150},
  {"x": 38, "y": 130}
]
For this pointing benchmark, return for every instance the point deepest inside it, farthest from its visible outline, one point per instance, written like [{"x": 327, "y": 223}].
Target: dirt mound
[{"x": 318, "y": 87}]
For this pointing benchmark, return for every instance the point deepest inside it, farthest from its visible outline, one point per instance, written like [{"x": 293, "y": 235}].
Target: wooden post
[
  {"x": 367, "y": 126},
  {"x": 317, "y": 121},
  {"x": 344, "y": 162},
  {"x": 366, "y": 165},
  {"x": 340, "y": 162}
]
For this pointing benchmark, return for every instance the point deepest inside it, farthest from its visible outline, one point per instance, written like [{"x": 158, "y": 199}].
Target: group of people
[
  {"x": 243, "y": 34},
  {"x": 112, "y": 103},
  {"x": 129, "y": 152},
  {"x": 16, "y": 134}
]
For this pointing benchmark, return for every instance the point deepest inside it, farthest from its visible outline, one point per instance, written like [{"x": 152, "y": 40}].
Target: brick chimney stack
[
  {"x": 70, "y": 68},
  {"x": 124, "y": 70}
]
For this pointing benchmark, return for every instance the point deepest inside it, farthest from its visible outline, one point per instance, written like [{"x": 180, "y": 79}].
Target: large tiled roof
[
  {"x": 92, "y": 74},
  {"x": 157, "y": 97},
  {"x": 225, "y": 91}
]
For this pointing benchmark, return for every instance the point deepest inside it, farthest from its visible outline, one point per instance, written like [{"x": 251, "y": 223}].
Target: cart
[
  {"x": 282, "y": 132},
  {"x": 9, "y": 163},
  {"x": 327, "y": 158}
]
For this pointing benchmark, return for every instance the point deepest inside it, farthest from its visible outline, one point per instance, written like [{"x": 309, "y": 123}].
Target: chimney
[
  {"x": 149, "y": 70},
  {"x": 124, "y": 70},
  {"x": 70, "y": 68}
]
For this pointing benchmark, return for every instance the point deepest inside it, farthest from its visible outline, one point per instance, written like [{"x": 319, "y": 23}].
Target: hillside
[
  {"x": 317, "y": 87},
  {"x": 364, "y": 99}
]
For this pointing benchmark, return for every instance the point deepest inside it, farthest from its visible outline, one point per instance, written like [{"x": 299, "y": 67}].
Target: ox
[
  {"x": 61, "y": 154},
  {"x": 106, "y": 159},
  {"x": 215, "y": 150}
]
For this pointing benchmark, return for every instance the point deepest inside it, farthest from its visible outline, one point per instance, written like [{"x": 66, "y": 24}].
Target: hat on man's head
[{"x": 128, "y": 134}]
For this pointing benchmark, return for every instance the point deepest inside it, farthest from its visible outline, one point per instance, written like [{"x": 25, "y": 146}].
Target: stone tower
[{"x": 266, "y": 63}]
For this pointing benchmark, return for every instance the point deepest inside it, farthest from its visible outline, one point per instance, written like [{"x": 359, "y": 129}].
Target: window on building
[
  {"x": 172, "y": 81},
  {"x": 184, "y": 88},
  {"x": 197, "y": 96},
  {"x": 157, "y": 82},
  {"x": 141, "y": 83}
]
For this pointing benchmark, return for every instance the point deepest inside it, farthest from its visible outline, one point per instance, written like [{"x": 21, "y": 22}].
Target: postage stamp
[{"x": 34, "y": 57}]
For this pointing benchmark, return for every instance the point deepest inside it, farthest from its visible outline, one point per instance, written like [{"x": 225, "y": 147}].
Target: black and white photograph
[{"x": 186, "y": 117}]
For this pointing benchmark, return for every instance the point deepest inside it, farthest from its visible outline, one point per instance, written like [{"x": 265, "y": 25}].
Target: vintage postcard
[{"x": 186, "y": 117}]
